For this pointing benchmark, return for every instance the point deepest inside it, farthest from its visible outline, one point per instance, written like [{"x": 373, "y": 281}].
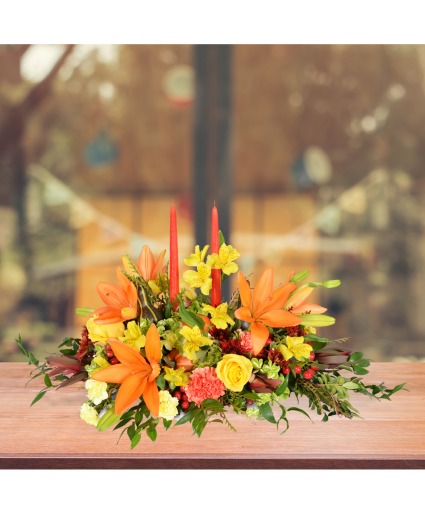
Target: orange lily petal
[
  {"x": 244, "y": 291},
  {"x": 309, "y": 308},
  {"x": 245, "y": 314},
  {"x": 107, "y": 315},
  {"x": 299, "y": 296},
  {"x": 130, "y": 291},
  {"x": 279, "y": 318},
  {"x": 278, "y": 298},
  {"x": 151, "y": 397},
  {"x": 259, "y": 336},
  {"x": 158, "y": 266},
  {"x": 128, "y": 356},
  {"x": 153, "y": 344},
  {"x": 111, "y": 294},
  {"x": 113, "y": 374},
  {"x": 207, "y": 321},
  {"x": 131, "y": 389},
  {"x": 146, "y": 263},
  {"x": 263, "y": 288}
]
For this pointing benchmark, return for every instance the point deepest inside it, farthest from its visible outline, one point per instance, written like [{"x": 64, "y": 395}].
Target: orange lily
[
  {"x": 147, "y": 266},
  {"x": 121, "y": 301},
  {"x": 263, "y": 307},
  {"x": 135, "y": 374},
  {"x": 296, "y": 304}
]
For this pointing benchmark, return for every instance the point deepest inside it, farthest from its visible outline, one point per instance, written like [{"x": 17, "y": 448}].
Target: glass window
[{"x": 316, "y": 152}]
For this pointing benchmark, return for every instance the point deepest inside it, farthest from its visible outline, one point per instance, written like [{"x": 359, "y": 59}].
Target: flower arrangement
[{"x": 159, "y": 351}]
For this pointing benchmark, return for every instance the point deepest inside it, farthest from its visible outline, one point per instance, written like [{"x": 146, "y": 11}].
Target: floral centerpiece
[{"x": 161, "y": 351}]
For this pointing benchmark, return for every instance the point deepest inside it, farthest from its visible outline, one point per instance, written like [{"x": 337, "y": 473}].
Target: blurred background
[{"x": 315, "y": 155}]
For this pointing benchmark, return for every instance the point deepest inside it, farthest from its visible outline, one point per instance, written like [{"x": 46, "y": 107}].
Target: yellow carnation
[
  {"x": 234, "y": 371},
  {"x": 96, "y": 391},
  {"x": 101, "y": 333},
  {"x": 89, "y": 414},
  {"x": 167, "y": 405}
]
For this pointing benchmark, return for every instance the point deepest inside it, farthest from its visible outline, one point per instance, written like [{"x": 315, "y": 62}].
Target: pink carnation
[
  {"x": 246, "y": 342},
  {"x": 204, "y": 384}
]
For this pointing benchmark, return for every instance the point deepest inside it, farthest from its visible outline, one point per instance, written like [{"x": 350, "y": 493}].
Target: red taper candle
[
  {"x": 174, "y": 255},
  {"x": 215, "y": 247}
]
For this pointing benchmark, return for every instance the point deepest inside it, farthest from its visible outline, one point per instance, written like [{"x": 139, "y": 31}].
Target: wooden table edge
[{"x": 209, "y": 462}]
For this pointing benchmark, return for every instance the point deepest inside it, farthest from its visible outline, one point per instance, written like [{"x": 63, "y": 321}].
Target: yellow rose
[
  {"x": 101, "y": 333},
  {"x": 234, "y": 371}
]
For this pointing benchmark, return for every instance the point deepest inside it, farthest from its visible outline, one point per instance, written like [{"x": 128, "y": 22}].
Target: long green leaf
[
  {"x": 21, "y": 346},
  {"x": 185, "y": 418},
  {"x": 39, "y": 396},
  {"x": 190, "y": 318},
  {"x": 267, "y": 413},
  {"x": 293, "y": 408},
  {"x": 47, "y": 381}
]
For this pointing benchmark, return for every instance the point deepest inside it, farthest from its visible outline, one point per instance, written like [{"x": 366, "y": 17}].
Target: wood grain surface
[{"x": 50, "y": 434}]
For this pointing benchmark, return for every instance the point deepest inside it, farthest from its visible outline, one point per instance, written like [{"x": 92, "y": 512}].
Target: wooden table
[{"x": 51, "y": 435}]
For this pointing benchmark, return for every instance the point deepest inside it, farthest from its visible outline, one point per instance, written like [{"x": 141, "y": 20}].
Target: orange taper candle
[
  {"x": 215, "y": 247},
  {"x": 174, "y": 256}
]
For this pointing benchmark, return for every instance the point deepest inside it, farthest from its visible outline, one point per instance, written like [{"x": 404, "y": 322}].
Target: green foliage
[
  {"x": 299, "y": 276},
  {"x": 84, "y": 312},
  {"x": 190, "y": 318},
  {"x": 108, "y": 419}
]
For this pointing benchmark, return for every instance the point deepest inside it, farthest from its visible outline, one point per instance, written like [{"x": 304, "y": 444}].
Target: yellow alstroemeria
[
  {"x": 101, "y": 333},
  {"x": 179, "y": 376},
  {"x": 295, "y": 347},
  {"x": 197, "y": 257},
  {"x": 224, "y": 259},
  {"x": 133, "y": 336},
  {"x": 187, "y": 292},
  {"x": 194, "y": 341},
  {"x": 199, "y": 279},
  {"x": 219, "y": 316}
]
